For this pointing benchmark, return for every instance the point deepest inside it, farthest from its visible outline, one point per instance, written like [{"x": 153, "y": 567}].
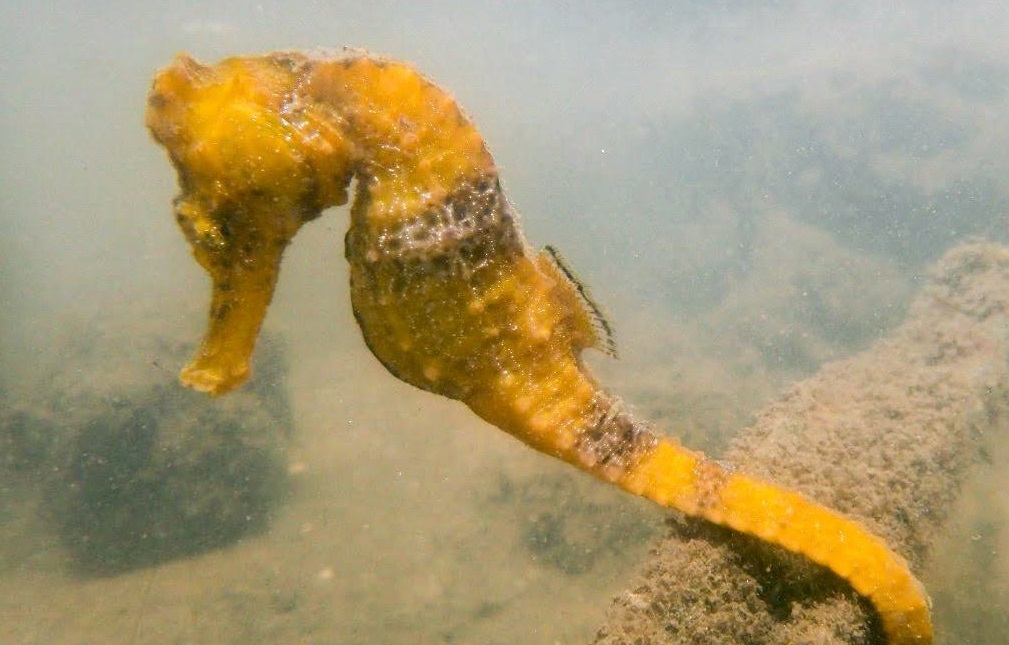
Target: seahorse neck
[{"x": 413, "y": 144}]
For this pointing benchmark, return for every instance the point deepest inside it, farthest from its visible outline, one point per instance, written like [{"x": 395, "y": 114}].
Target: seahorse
[{"x": 447, "y": 292}]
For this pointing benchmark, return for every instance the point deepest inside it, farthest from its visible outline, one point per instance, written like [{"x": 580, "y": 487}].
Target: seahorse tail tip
[{"x": 905, "y": 613}]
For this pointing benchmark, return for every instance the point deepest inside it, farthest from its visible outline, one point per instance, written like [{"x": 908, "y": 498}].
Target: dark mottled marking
[
  {"x": 711, "y": 477},
  {"x": 289, "y": 62},
  {"x": 472, "y": 227},
  {"x": 157, "y": 101},
  {"x": 615, "y": 441}
]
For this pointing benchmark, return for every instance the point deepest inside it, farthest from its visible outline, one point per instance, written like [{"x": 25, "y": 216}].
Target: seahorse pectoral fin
[{"x": 589, "y": 320}]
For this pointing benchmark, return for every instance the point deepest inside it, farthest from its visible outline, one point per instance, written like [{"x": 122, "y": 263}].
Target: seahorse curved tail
[{"x": 689, "y": 482}]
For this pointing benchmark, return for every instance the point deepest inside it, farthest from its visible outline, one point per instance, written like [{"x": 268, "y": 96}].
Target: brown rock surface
[{"x": 887, "y": 437}]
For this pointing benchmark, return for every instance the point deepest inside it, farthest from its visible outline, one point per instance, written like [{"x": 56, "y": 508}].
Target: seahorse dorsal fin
[{"x": 589, "y": 316}]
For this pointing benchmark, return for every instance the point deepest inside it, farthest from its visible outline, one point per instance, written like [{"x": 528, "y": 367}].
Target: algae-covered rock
[
  {"x": 134, "y": 468},
  {"x": 164, "y": 474},
  {"x": 569, "y": 523}
]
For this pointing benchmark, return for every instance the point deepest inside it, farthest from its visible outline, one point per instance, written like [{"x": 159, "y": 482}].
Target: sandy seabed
[
  {"x": 407, "y": 520},
  {"x": 890, "y": 437}
]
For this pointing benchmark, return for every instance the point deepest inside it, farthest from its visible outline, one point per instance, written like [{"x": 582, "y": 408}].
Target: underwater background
[{"x": 751, "y": 189}]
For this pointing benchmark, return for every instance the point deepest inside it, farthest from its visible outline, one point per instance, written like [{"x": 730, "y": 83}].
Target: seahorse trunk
[
  {"x": 472, "y": 316},
  {"x": 448, "y": 294}
]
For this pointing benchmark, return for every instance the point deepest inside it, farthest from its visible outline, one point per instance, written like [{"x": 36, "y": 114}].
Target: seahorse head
[
  {"x": 237, "y": 133},
  {"x": 254, "y": 162}
]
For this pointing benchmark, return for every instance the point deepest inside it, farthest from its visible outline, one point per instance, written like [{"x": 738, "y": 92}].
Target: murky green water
[{"x": 751, "y": 189}]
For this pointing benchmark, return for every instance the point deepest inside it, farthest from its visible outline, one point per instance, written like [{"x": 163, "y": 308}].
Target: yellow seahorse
[{"x": 448, "y": 294}]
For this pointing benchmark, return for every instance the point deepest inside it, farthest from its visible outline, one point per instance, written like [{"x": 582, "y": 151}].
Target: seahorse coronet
[{"x": 448, "y": 294}]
